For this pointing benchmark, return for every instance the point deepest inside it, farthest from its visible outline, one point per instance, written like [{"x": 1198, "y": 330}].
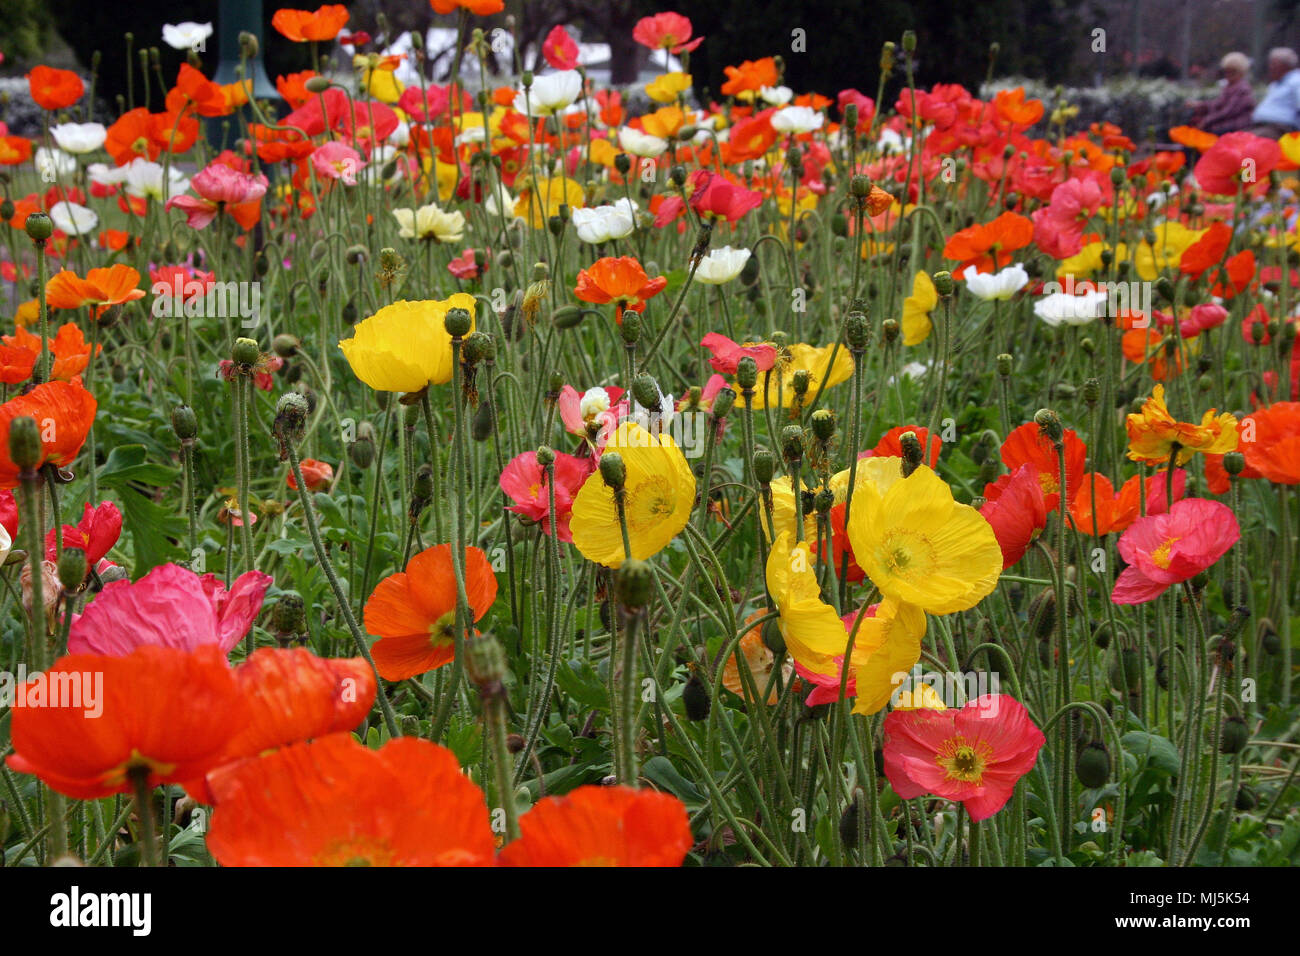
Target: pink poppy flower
[
  {"x": 1236, "y": 159},
  {"x": 1058, "y": 227},
  {"x": 973, "y": 755},
  {"x": 713, "y": 195},
  {"x": 666, "y": 31},
  {"x": 524, "y": 480},
  {"x": 727, "y": 354},
  {"x": 181, "y": 283},
  {"x": 95, "y": 534},
  {"x": 170, "y": 606},
  {"x": 1164, "y": 549},
  {"x": 435, "y": 102},
  {"x": 865, "y": 104},
  {"x": 465, "y": 265},
  {"x": 219, "y": 187},
  {"x": 334, "y": 160},
  {"x": 560, "y": 50}
]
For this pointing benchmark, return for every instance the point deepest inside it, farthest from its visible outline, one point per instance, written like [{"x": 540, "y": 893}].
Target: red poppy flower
[
  {"x": 602, "y": 826},
  {"x": 560, "y": 49},
  {"x": 666, "y": 31},
  {"x": 16, "y": 363},
  {"x": 1027, "y": 445},
  {"x": 1017, "y": 512},
  {"x": 334, "y": 802},
  {"x": 480, "y": 8},
  {"x": 303, "y": 26},
  {"x": 1206, "y": 251},
  {"x": 1115, "y": 512},
  {"x": 54, "y": 89},
  {"x": 1274, "y": 451},
  {"x": 14, "y": 150},
  {"x": 988, "y": 246},
  {"x": 890, "y": 445},
  {"x": 727, "y": 354},
  {"x": 95, "y": 534},
  {"x": 414, "y": 611},
  {"x": 144, "y": 724},
  {"x": 1236, "y": 160},
  {"x": 714, "y": 196},
  {"x": 1240, "y": 270},
  {"x": 63, "y": 411},
  {"x": 973, "y": 755}
]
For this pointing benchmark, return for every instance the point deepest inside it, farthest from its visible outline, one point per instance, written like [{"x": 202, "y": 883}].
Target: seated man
[
  {"x": 1278, "y": 113},
  {"x": 1232, "y": 109}
]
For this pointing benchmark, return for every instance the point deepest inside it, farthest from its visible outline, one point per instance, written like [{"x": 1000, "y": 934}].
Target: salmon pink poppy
[
  {"x": 69, "y": 347},
  {"x": 170, "y": 606},
  {"x": 1162, "y": 550},
  {"x": 524, "y": 480},
  {"x": 317, "y": 474},
  {"x": 222, "y": 189},
  {"x": 726, "y": 354},
  {"x": 973, "y": 755},
  {"x": 666, "y": 31},
  {"x": 335, "y": 802},
  {"x": 163, "y": 712},
  {"x": 1237, "y": 159},
  {"x": 413, "y": 612},
  {"x": 602, "y": 826}
]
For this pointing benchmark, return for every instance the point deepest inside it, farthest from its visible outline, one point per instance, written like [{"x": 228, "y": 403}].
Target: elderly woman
[{"x": 1231, "y": 110}]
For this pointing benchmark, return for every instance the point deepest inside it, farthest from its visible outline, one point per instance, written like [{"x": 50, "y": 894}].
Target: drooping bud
[
  {"x": 362, "y": 449},
  {"x": 1093, "y": 766},
  {"x": 288, "y": 615},
  {"x": 646, "y": 391},
  {"x": 723, "y": 403},
  {"x": 1049, "y": 423},
  {"x": 485, "y": 664},
  {"x": 857, "y": 331},
  {"x": 1234, "y": 735},
  {"x": 290, "y": 421}
]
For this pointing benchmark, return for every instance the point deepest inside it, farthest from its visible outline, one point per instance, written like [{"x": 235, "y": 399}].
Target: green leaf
[
  {"x": 153, "y": 529},
  {"x": 1159, "y": 751},
  {"x": 661, "y": 772},
  {"x": 127, "y": 463}
]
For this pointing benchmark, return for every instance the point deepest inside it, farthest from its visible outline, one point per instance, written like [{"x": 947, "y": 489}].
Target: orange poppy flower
[
  {"x": 130, "y": 136},
  {"x": 1240, "y": 270},
  {"x": 988, "y": 246},
  {"x": 292, "y": 695},
  {"x": 195, "y": 91},
  {"x": 413, "y": 612},
  {"x": 143, "y": 723},
  {"x": 102, "y": 287},
  {"x": 302, "y": 26},
  {"x": 54, "y": 89},
  {"x": 750, "y": 77},
  {"x": 23, "y": 208},
  {"x": 758, "y": 659},
  {"x": 1154, "y": 434},
  {"x": 750, "y": 138},
  {"x": 1274, "y": 450},
  {"x": 1192, "y": 137},
  {"x": 1147, "y": 346},
  {"x": 1013, "y": 108},
  {"x": 114, "y": 240},
  {"x": 334, "y": 802},
  {"x": 64, "y": 412},
  {"x": 1027, "y": 445},
  {"x": 1206, "y": 251},
  {"x": 293, "y": 88},
  {"x": 14, "y": 150},
  {"x": 17, "y": 362},
  {"x": 602, "y": 826},
  {"x": 71, "y": 352},
  {"x": 622, "y": 281},
  {"x": 480, "y": 8}
]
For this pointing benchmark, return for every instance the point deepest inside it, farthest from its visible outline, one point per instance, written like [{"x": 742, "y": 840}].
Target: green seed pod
[
  {"x": 646, "y": 391},
  {"x": 246, "y": 352},
  {"x": 764, "y": 466},
  {"x": 612, "y": 469},
  {"x": 567, "y": 317},
  {"x": 773, "y": 638},
  {"x": 723, "y": 403},
  {"x": 1247, "y": 799},
  {"x": 1093, "y": 765},
  {"x": 288, "y": 614},
  {"x": 792, "y": 443},
  {"x": 185, "y": 423},
  {"x": 823, "y": 424},
  {"x": 72, "y": 568},
  {"x": 943, "y": 283},
  {"x": 634, "y": 580},
  {"x": 39, "y": 227},
  {"x": 857, "y": 331},
  {"x": 485, "y": 422},
  {"x": 1234, "y": 735},
  {"x": 1126, "y": 671},
  {"x": 1005, "y": 363},
  {"x": 746, "y": 372},
  {"x": 485, "y": 664},
  {"x": 25, "y": 447},
  {"x": 458, "y": 322}
]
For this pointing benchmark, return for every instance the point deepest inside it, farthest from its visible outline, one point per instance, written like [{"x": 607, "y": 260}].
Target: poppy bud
[
  {"x": 746, "y": 372},
  {"x": 555, "y": 225},
  {"x": 791, "y": 443},
  {"x": 72, "y": 568},
  {"x": 1049, "y": 423},
  {"x": 422, "y": 485},
  {"x": 184, "y": 423},
  {"x": 1092, "y": 391},
  {"x": 909, "y": 41},
  {"x": 1126, "y": 672},
  {"x": 723, "y": 403},
  {"x": 749, "y": 274},
  {"x": 989, "y": 470},
  {"x": 764, "y": 466},
  {"x": 823, "y": 424},
  {"x": 355, "y": 255},
  {"x": 1093, "y": 765},
  {"x": 646, "y": 391},
  {"x": 890, "y": 328},
  {"x": 317, "y": 84},
  {"x": 634, "y": 580},
  {"x": 1233, "y": 737},
  {"x": 677, "y": 175},
  {"x": 485, "y": 664},
  {"x": 1162, "y": 669},
  {"x": 1247, "y": 799},
  {"x": 545, "y": 456},
  {"x": 246, "y": 352},
  {"x": 800, "y": 381},
  {"x": 457, "y": 322},
  {"x": 285, "y": 345},
  {"x": 39, "y": 226},
  {"x": 857, "y": 331},
  {"x": 288, "y": 614},
  {"x": 695, "y": 697},
  {"x": 773, "y": 639},
  {"x": 1234, "y": 463},
  {"x": 25, "y": 448},
  {"x": 943, "y": 283},
  {"x": 612, "y": 469},
  {"x": 851, "y": 117},
  {"x": 1042, "y": 614},
  {"x": 567, "y": 317},
  {"x": 290, "y": 418},
  {"x": 485, "y": 422},
  {"x": 623, "y": 163},
  {"x": 631, "y": 328},
  {"x": 7, "y": 209}
]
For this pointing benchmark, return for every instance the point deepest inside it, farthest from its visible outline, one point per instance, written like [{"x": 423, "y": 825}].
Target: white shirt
[{"x": 1281, "y": 104}]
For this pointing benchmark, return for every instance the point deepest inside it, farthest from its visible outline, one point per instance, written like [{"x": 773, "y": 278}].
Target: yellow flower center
[
  {"x": 356, "y": 851},
  {"x": 441, "y": 631},
  {"x": 964, "y": 761},
  {"x": 907, "y": 553},
  {"x": 141, "y": 146},
  {"x": 1160, "y": 556},
  {"x": 650, "y": 502},
  {"x": 1049, "y": 483}
]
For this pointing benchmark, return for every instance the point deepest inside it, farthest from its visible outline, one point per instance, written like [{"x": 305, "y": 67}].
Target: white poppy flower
[
  {"x": 79, "y": 137},
  {"x": 593, "y": 402},
  {"x": 721, "y": 265},
  {"x": 145, "y": 180},
  {"x": 102, "y": 174},
  {"x": 797, "y": 119},
  {"x": 549, "y": 93},
  {"x": 776, "y": 95},
  {"x": 1061, "y": 308},
  {"x": 641, "y": 144},
  {"x": 1000, "y": 285},
  {"x": 73, "y": 219},
  {"x": 603, "y": 223},
  {"x": 430, "y": 222},
  {"x": 54, "y": 164},
  {"x": 186, "y": 36}
]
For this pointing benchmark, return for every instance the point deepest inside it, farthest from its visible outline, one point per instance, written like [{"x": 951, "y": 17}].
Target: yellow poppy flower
[
  {"x": 667, "y": 87},
  {"x": 817, "y": 362},
  {"x": 814, "y": 634},
  {"x": 603, "y": 152},
  {"x": 876, "y": 468},
  {"x": 920, "y": 697},
  {"x": 659, "y": 494},
  {"x": 405, "y": 346},
  {"x": 1172, "y": 240},
  {"x": 917, "y": 308},
  {"x": 1153, "y": 433},
  {"x": 887, "y": 645},
  {"x": 28, "y": 313},
  {"x": 551, "y": 193},
  {"x": 1083, "y": 263},
  {"x": 920, "y": 546}
]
